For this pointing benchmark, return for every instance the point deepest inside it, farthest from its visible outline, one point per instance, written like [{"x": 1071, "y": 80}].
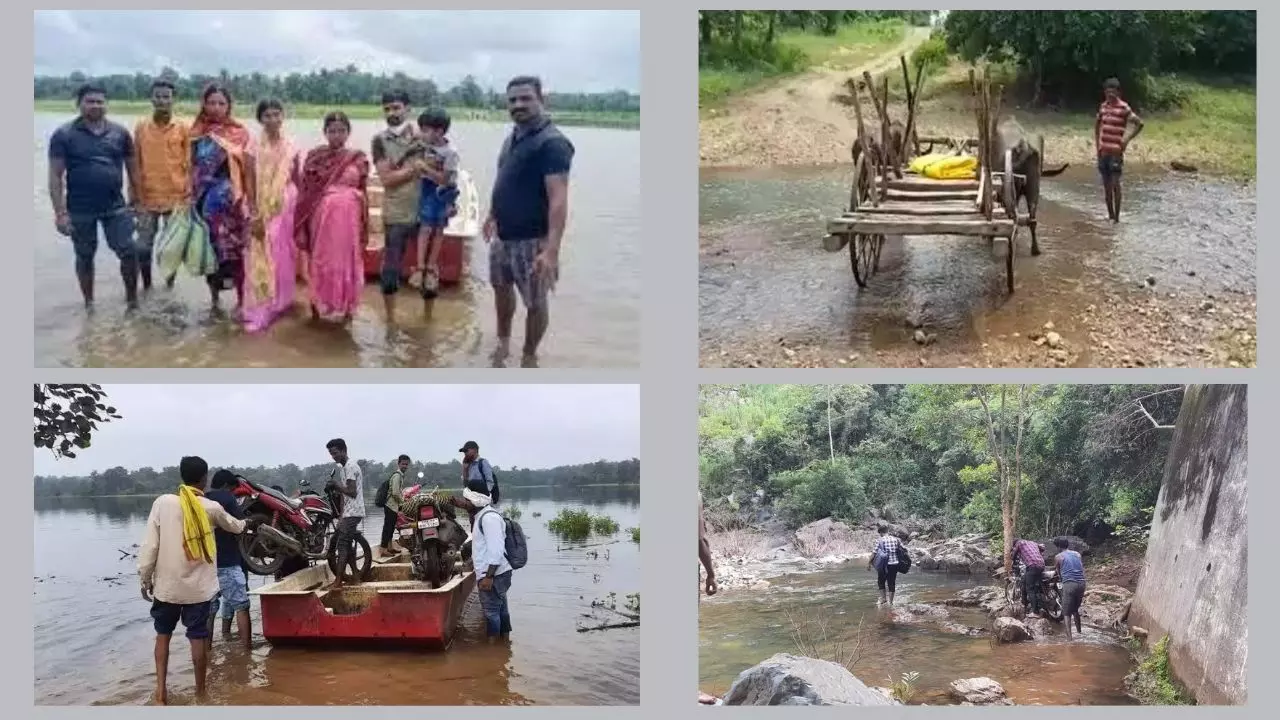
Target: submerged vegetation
[
  {"x": 579, "y": 524},
  {"x": 635, "y": 535}
]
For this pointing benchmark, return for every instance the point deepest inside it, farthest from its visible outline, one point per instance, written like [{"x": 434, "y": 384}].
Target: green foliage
[
  {"x": 604, "y": 525},
  {"x": 923, "y": 450},
  {"x": 823, "y": 488},
  {"x": 512, "y": 512},
  {"x": 1155, "y": 684},
  {"x": 338, "y": 86},
  {"x": 932, "y": 55},
  {"x": 572, "y": 524},
  {"x": 635, "y": 535},
  {"x": 67, "y": 415},
  {"x": 904, "y": 688},
  {"x": 1065, "y": 55}
]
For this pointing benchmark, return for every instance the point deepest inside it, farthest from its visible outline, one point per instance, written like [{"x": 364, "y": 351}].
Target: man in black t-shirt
[
  {"x": 527, "y": 215},
  {"x": 233, "y": 580},
  {"x": 87, "y": 161}
]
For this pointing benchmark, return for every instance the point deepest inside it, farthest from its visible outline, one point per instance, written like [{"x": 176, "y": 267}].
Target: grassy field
[
  {"x": 619, "y": 120},
  {"x": 1213, "y": 126},
  {"x": 851, "y": 46}
]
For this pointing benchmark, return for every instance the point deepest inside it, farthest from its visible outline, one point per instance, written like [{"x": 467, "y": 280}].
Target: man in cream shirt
[{"x": 178, "y": 587}]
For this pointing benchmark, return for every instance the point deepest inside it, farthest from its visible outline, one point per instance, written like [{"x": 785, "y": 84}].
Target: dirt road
[{"x": 794, "y": 122}]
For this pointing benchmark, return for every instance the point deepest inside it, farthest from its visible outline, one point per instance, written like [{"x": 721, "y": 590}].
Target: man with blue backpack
[
  {"x": 497, "y": 550},
  {"x": 477, "y": 473}
]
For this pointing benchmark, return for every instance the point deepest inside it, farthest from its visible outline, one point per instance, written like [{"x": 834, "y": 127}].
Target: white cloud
[{"x": 583, "y": 50}]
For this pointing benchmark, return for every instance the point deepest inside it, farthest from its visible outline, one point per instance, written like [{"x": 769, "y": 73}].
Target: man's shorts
[
  {"x": 1072, "y": 597},
  {"x": 433, "y": 210},
  {"x": 117, "y": 228},
  {"x": 1110, "y": 165},
  {"x": 234, "y": 591},
  {"x": 511, "y": 263},
  {"x": 196, "y": 618},
  {"x": 397, "y": 236},
  {"x": 149, "y": 225}
]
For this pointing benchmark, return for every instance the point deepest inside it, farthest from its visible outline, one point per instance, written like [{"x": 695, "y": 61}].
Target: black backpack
[
  {"x": 380, "y": 497},
  {"x": 515, "y": 547},
  {"x": 904, "y": 559}
]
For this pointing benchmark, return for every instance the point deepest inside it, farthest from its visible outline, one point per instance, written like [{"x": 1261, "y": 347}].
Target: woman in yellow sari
[{"x": 271, "y": 265}]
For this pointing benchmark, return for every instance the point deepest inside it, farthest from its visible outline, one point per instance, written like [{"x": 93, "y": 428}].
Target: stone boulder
[
  {"x": 968, "y": 554},
  {"x": 821, "y": 533},
  {"x": 1103, "y": 605},
  {"x": 919, "y": 611},
  {"x": 792, "y": 680},
  {"x": 1039, "y": 627},
  {"x": 1010, "y": 630},
  {"x": 979, "y": 691},
  {"x": 975, "y": 596}
]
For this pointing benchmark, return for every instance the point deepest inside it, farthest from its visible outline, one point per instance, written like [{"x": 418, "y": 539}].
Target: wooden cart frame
[{"x": 887, "y": 200}]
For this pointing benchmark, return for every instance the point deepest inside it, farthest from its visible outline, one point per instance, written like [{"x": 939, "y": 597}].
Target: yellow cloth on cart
[{"x": 942, "y": 166}]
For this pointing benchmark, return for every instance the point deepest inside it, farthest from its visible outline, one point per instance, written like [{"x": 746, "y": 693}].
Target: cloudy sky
[
  {"x": 249, "y": 425},
  {"x": 573, "y": 50}
]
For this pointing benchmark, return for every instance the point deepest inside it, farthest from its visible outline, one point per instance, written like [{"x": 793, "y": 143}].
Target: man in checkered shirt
[
  {"x": 885, "y": 560},
  {"x": 1028, "y": 554}
]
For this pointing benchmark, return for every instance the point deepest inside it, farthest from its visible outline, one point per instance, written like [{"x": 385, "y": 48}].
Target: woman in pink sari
[
  {"x": 271, "y": 263},
  {"x": 330, "y": 221}
]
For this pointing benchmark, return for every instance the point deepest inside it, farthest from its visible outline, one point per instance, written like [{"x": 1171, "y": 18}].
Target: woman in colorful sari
[
  {"x": 272, "y": 258},
  {"x": 330, "y": 221},
  {"x": 223, "y": 188}
]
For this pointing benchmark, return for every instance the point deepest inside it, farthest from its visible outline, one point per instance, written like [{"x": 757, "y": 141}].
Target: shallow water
[
  {"x": 104, "y": 657},
  {"x": 764, "y": 274},
  {"x": 742, "y": 628},
  {"x": 595, "y": 308}
]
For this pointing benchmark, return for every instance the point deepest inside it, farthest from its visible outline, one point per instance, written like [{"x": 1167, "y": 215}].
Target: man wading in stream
[
  {"x": 885, "y": 560},
  {"x": 489, "y": 557},
  {"x": 1032, "y": 573},
  {"x": 178, "y": 569},
  {"x": 1070, "y": 567},
  {"x": 233, "y": 583}
]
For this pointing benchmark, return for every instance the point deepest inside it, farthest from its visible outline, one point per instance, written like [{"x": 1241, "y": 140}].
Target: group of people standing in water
[{"x": 280, "y": 219}]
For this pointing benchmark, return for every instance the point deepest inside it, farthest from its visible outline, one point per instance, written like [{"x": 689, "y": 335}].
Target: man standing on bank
[
  {"x": 391, "y": 506},
  {"x": 87, "y": 161},
  {"x": 527, "y": 215}
]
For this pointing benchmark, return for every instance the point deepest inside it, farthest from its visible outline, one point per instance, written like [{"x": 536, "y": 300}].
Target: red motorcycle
[
  {"x": 438, "y": 546},
  {"x": 291, "y": 527}
]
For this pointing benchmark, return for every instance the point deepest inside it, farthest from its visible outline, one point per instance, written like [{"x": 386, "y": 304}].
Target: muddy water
[
  {"x": 82, "y": 579},
  {"x": 741, "y": 629},
  {"x": 765, "y": 279},
  {"x": 596, "y": 307}
]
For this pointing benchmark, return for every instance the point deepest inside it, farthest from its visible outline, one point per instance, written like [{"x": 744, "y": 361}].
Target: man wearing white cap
[{"x": 488, "y": 553}]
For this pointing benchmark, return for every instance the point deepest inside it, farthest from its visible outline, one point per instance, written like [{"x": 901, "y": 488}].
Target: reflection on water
[
  {"x": 764, "y": 275},
  {"x": 741, "y": 629},
  {"x": 80, "y": 573},
  {"x": 596, "y": 306}
]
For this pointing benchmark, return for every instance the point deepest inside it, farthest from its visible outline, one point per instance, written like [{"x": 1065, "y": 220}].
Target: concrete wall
[{"x": 1194, "y": 585}]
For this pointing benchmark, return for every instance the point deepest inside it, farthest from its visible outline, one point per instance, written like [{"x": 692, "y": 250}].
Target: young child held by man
[{"x": 438, "y": 163}]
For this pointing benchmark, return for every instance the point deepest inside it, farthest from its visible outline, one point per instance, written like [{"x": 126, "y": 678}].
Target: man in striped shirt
[{"x": 1117, "y": 125}]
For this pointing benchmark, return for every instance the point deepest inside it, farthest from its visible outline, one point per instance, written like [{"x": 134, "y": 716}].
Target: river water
[
  {"x": 103, "y": 657},
  {"x": 595, "y": 309},
  {"x": 764, "y": 277},
  {"x": 742, "y": 628}
]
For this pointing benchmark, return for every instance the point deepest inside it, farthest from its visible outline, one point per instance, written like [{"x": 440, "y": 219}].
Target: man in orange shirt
[{"x": 164, "y": 162}]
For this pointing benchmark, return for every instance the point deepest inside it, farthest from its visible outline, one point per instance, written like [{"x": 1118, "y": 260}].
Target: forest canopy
[
  {"x": 150, "y": 481},
  {"x": 1090, "y": 457}
]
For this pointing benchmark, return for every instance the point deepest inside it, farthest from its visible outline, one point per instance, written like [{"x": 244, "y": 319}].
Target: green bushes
[
  {"x": 578, "y": 524},
  {"x": 635, "y": 535},
  {"x": 823, "y": 488},
  {"x": 932, "y": 55}
]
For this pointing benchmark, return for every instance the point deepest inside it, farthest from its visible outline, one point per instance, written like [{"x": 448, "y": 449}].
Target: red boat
[
  {"x": 389, "y": 609},
  {"x": 462, "y": 229}
]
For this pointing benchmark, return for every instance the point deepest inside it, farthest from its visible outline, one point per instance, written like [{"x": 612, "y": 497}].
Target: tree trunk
[
  {"x": 830, "y": 436},
  {"x": 994, "y": 438},
  {"x": 773, "y": 19},
  {"x": 704, "y": 30},
  {"x": 1017, "y": 455}
]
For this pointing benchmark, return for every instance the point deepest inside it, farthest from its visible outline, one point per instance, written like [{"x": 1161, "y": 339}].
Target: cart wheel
[
  {"x": 875, "y": 265},
  {"x": 1008, "y": 262},
  {"x": 860, "y": 190},
  {"x": 863, "y": 250}
]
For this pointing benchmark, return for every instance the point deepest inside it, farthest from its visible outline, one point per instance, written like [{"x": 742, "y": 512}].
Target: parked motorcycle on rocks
[
  {"x": 427, "y": 525},
  {"x": 292, "y": 527}
]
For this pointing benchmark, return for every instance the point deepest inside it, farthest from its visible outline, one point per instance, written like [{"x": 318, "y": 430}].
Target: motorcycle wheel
[
  {"x": 252, "y": 551},
  {"x": 365, "y": 563},
  {"x": 432, "y": 568},
  {"x": 1052, "y": 604}
]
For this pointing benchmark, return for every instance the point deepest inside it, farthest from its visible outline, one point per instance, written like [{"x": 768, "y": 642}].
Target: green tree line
[
  {"x": 152, "y": 481},
  {"x": 1063, "y": 56},
  {"x": 1047, "y": 460},
  {"x": 747, "y": 39},
  {"x": 337, "y": 86}
]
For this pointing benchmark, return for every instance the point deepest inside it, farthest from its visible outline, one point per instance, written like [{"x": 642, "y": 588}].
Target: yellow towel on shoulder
[{"x": 197, "y": 532}]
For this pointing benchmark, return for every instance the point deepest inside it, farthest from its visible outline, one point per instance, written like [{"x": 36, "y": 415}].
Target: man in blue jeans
[
  {"x": 233, "y": 583},
  {"x": 488, "y": 551},
  {"x": 87, "y": 161}
]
